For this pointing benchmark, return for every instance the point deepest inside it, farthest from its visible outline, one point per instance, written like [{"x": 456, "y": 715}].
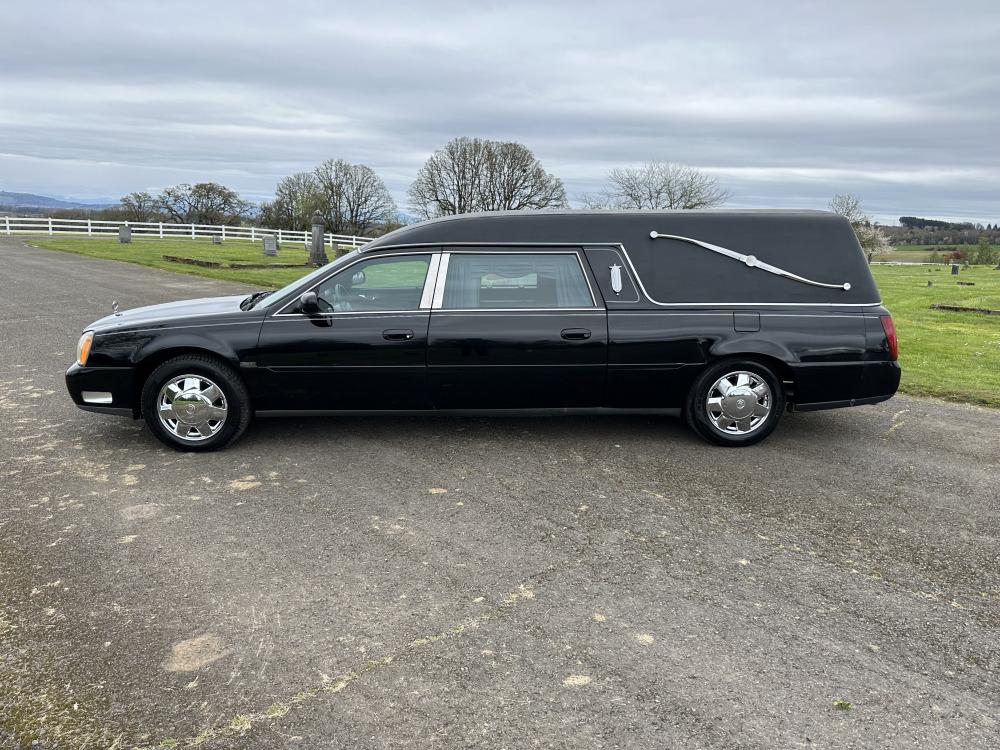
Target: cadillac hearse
[{"x": 728, "y": 318}]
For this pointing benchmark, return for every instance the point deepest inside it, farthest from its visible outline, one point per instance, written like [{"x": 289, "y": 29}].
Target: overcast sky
[{"x": 787, "y": 103}]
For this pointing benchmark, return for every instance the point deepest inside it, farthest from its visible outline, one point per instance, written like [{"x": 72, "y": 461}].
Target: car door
[
  {"x": 653, "y": 354},
  {"x": 514, "y": 329},
  {"x": 365, "y": 349}
]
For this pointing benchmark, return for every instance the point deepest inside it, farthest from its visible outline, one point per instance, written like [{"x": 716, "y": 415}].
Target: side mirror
[
  {"x": 309, "y": 302},
  {"x": 358, "y": 278}
]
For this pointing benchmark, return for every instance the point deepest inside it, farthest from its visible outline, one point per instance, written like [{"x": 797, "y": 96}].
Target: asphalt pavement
[{"x": 499, "y": 583}]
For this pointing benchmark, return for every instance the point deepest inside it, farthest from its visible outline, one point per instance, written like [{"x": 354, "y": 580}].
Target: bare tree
[
  {"x": 658, "y": 185},
  {"x": 139, "y": 207},
  {"x": 474, "y": 174},
  {"x": 871, "y": 237},
  {"x": 203, "y": 203},
  {"x": 351, "y": 197},
  {"x": 295, "y": 199}
]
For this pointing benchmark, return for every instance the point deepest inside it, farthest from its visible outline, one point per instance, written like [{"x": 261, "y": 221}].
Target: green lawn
[
  {"x": 149, "y": 251},
  {"x": 949, "y": 355},
  {"x": 921, "y": 253}
]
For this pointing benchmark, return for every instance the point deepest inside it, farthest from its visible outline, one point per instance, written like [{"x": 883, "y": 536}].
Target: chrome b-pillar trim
[
  {"x": 750, "y": 260},
  {"x": 427, "y": 297}
]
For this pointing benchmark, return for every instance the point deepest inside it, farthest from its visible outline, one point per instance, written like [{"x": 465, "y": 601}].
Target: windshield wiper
[{"x": 253, "y": 299}]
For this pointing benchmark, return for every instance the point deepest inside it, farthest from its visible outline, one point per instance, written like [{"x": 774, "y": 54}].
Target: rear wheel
[
  {"x": 735, "y": 403},
  {"x": 195, "y": 403}
]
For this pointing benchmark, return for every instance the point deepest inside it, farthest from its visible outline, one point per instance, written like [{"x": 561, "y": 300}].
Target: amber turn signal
[{"x": 83, "y": 348}]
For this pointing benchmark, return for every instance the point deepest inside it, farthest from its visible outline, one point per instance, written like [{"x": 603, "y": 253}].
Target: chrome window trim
[
  {"x": 522, "y": 249},
  {"x": 518, "y": 247},
  {"x": 438, "y": 299},
  {"x": 549, "y": 310},
  {"x": 357, "y": 314},
  {"x": 295, "y": 297},
  {"x": 432, "y": 276}
]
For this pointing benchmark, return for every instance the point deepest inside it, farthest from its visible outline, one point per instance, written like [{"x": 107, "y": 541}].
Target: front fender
[{"x": 234, "y": 341}]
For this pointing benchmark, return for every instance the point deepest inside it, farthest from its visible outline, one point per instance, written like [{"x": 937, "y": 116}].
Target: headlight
[{"x": 83, "y": 347}]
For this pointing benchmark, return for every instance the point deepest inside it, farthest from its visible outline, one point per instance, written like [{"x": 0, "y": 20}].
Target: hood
[{"x": 170, "y": 312}]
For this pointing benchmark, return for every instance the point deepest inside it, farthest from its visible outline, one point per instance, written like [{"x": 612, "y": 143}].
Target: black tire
[
  {"x": 237, "y": 401},
  {"x": 696, "y": 411}
]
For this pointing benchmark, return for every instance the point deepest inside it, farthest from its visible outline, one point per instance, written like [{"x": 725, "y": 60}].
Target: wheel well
[
  {"x": 781, "y": 369},
  {"x": 150, "y": 363}
]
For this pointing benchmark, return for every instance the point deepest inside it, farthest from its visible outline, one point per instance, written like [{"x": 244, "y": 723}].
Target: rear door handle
[
  {"x": 575, "y": 334},
  {"x": 397, "y": 334}
]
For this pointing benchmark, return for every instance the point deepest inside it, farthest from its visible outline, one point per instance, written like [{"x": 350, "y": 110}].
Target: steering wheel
[{"x": 340, "y": 301}]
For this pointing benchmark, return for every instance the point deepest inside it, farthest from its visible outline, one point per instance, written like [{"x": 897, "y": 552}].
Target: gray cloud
[{"x": 787, "y": 103}]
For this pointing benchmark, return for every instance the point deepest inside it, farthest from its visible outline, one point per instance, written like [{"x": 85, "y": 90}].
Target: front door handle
[
  {"x": 397, "y": 334},
  {"x": 575, "y": 334}
]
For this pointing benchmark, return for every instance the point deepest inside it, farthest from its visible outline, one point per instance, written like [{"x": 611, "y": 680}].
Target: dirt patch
[{"x": 194, "y": 653}]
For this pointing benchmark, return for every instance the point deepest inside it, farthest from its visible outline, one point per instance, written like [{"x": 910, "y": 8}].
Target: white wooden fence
[{"x": 11, "y": 225}]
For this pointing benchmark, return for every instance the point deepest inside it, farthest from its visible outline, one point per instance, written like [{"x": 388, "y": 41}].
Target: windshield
[{"x": 307, "y": 279}]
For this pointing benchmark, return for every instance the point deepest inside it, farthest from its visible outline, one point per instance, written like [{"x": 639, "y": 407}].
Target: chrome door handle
[
  {"x": 397, "y": 334},
  {"x": 575, "y": 334}
]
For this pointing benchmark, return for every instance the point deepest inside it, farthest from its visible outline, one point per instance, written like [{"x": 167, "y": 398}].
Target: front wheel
[
  {"x": 195, "y": 403},
  {"x": 735, "y": 403}
]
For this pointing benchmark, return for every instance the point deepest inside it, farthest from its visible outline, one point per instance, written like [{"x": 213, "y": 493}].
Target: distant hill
[{"x": 30, "y": 200}]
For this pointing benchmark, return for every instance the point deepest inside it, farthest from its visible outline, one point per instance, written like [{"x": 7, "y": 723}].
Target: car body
[{"x": 570, "y": 311}]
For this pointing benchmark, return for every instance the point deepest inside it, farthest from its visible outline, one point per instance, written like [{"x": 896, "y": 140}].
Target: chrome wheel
[
  {"x": 192, "y": 407},
  {"x": 739, "y": 403}
]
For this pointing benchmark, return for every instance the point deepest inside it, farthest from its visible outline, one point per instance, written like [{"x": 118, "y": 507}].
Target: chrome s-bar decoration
[{"x": 750, "y": 260}]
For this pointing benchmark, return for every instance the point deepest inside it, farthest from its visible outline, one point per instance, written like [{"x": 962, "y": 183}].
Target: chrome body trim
[
  {"x": 524, "y": 250},
  {"x": 750, "y": 260},
  {"x": 96, "y": 397},
  {"x": 518, "y": 246},
  {"x": 442, "y": 276},
  {"x": 528, "y": 412},
  {"x": 430, "y": 281}
]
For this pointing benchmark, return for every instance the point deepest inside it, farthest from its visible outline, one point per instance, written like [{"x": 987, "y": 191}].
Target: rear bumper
[
  {"x": 853, "y": 384},
  {"x": 104, "y": 390},
  {"x": 819, "y": 405}
]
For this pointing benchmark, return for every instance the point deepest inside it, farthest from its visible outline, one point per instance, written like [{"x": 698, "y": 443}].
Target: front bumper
[{"x": 105, "y": 390}]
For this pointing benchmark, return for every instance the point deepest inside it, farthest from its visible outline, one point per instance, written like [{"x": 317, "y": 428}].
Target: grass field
[
  {"x": 147, "y": 251},
  {"x": 920, "y": 253},
  {"x": 950, "y": 355}
]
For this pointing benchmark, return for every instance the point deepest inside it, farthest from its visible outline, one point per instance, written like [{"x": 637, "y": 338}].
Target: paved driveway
[{"x": 575, "y": 582}]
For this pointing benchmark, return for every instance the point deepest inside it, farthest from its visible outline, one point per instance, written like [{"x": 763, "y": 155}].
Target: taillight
[{"x": 890, "y": 335}]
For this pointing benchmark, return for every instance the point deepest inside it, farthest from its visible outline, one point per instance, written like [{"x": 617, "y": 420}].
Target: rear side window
[{"x": 515, "y": 280}]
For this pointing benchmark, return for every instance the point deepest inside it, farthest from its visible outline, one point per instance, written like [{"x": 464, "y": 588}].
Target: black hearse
[{"x": 726, "y": 317}]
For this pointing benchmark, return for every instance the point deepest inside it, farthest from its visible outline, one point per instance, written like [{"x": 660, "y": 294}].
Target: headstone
[
  {"x": 216, "y": 239},
  {"x": 270, "y": 245},
  {"x": 124, "y": 235},
  {"x": 317, "y": 252},
  {"x": 954, "y": 269}
]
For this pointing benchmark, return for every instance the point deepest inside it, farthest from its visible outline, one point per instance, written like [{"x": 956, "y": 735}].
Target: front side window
[
  {"x": 376, "y": 285},
  {"x": 515, "y": 280}
]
